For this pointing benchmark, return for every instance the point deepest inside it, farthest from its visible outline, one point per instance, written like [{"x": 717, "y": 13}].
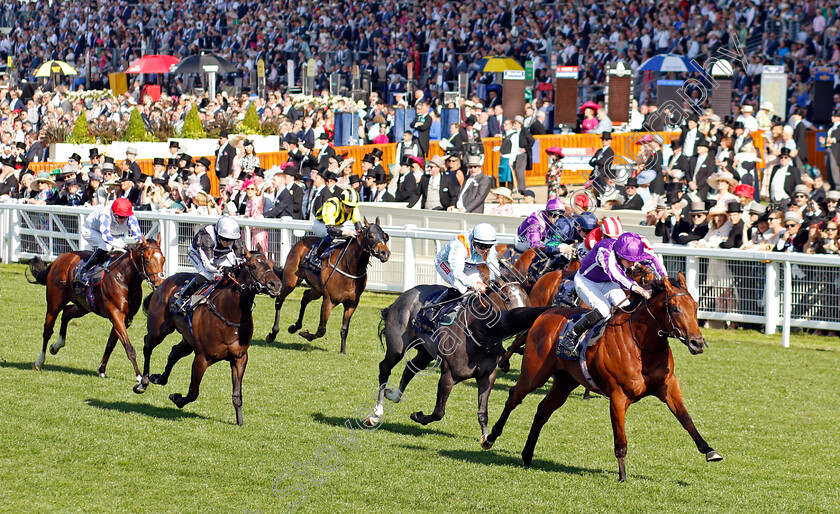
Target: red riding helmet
[{"x": 122, "y": 207}]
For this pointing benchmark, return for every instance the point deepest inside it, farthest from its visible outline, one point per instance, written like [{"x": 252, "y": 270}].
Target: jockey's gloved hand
[{"x": 551, "y": 250}]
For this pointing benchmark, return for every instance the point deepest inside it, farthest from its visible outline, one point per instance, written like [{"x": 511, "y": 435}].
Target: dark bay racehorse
[
  {"x": 630, "y": 361},
  {"x": 468, "y": 348},
  {"x": 342, "y": 279},
  {"x": 117, "y": 298},
  {"x": 220, "y": 328}
]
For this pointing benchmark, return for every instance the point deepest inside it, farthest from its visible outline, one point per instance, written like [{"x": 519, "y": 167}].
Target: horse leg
[
  {"x": 412, "y": 367},
  {"x": 70, "y": 312},
  {"x": 200, "y": 365},
  {"x": 53, "y": 308},
  {"x": 109, "y": 347},
  {"x": 556, "y": 397},
  {"x": 519, "y": 342},
  {"x": 349, "y": 309},
  {"x": 326, "y": 308},
  {"x": 392, "y": 357},
  {"x": 444, "y": 388},
  {"x": 618, "y": 409},
  {"x": 150, "y": 342},
  {"x": 278, "y": 304},
  {"x": 485, "y": 386},
  {"x": 308, "y": 296},
  {"x": 237, "y": 370},
  {"x": 118, "y": 319},
  {"x": 671, "y": 394},
  {"x": 178, "y": 352}
]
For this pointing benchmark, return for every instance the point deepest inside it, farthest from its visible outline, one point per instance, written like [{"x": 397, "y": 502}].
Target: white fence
[{"x": 765, "y": 288}]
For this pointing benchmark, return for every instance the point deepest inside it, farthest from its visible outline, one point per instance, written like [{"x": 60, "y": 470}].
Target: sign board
[
  {"x": 824, "y": 73},
  {"x": 514, "y": 75},
  {"x": 566, "y": 72},
  {"x": 261, "y": 68},
  {"x": 529, "y": 70},
  {"x": 821, "y": 140},
  {"x": 774, "y": 85},
  {"x": 577, "y": 158},
  {"x": 311, "y": 65}
]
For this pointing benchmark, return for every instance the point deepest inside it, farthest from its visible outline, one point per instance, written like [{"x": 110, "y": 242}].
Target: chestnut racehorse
[
  {"x": 117, "y": 298},
  {"x": 630, "y": 361},
  {"x": 219, "y": 329},
  {"x": 342, "y": 279}
]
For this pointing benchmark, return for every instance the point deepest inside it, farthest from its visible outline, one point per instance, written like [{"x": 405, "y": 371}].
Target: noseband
[
  {"x": 675, "y": 331},
  {"x": 142, "y": 268}
]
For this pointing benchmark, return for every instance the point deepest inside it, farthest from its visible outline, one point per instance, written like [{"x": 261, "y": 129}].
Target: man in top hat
[
  {"x": 381, "y": 194},
  {"x": 133, "y": 167},
  {"x": 750, "y": 123},
  {"x": 378, "y": 169},
  {"x": 159, "y": 167},
  {"x": 75, "y": 161},
  {"x": 634, "y": 201},
  {"x": 699, "y": 226},
  {"x": 741, "y": 137},
  {"x": 735, "y": 239},
  {"x": 423, "y": 125},
  {"x": 602, "y": 160},
  {"x": 318, "y": 194},
  {"x": 174, "y": 149},
  {"x": 832, "y": 155},
  {"x": 832, "y": 201},
  {"x": 690, "y": 135},
  {"x": 436, "y": 187},
  {"x": 368, "y": 189},
  {"x": 94, "y": 156},
  {"x": 800, "y": 133},
  {"x": 129, "y": 190},
  {"x": 407, "y": 147},
  {"x": 224, "y": 156},
  {"x": 200, "y": 171},
  {"x": 475, "y": 189},
  {"x": 8, "y": 180},
  {"x": 672, "y": 222},
  {"x": 784, "y": 177},
  {"x": 304, "y": 160},
  {"x": 282, "y": 202},
  {"x": 701, "y": 167},
  {"x": 524, "y": 159}
]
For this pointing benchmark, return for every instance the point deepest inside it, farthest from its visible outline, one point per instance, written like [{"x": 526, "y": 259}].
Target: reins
[
  {"x": 242, "y": 286},
  {"x": 675, "y": 332},
  {"x": 335, "y": 267}
]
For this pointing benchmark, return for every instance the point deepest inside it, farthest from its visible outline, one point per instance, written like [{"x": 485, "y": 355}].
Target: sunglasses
[
  {"x": 800, "y": 196},
  {"x": 789, "y": 225},
  {"x": 120, "y": 217},
  {"x": 483, "y": 246},
  {"x": 831, "y": 229},
  {"x": 697, "y": 215}
]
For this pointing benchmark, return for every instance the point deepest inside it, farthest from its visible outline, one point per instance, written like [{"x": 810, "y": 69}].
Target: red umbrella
[
  {"x": 153, "y": 64},
  {"x": 591, "y": 105}
]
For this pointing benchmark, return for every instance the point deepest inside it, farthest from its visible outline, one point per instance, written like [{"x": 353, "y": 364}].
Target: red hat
[
  {"x": 417, "y": 160},
  {"x": 555, "y": 150},
  {"x": 582, "y": 201},
  {"x": 122, "y": 207},
  {"x": 745, "y": 190}
]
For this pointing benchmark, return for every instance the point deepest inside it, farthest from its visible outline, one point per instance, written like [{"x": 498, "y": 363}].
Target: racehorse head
[
  {"x": 375, "y": 241},
  {"x": 258, "y": 274},
  {"x": 151, "y": 261},
  {"x": 507, "y": 295},
  {"x": 681, "y": 315}
]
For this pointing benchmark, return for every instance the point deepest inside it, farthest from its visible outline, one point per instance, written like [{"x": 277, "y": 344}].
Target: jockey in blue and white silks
[
  {"x": 457, "y": 262},
  {"x": 103, "y": 230}
]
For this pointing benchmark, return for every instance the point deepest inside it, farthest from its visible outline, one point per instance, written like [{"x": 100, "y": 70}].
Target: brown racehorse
[
  {"x": 342, "y": 279},
  {"x": 220, "y": 329},
  {"x": 117, "y": 298},
  {"x": 630, "y": 361}
]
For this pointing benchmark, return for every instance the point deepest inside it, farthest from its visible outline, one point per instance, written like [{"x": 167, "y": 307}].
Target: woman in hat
[
  {"x": 590, "y": 122},
  {"x": 505, "y": 201},
  {"x": 723, "y": 182},
  {"x": 555, "y": 172},
  {"x": 507, "y": 154},
  {"x": 250, "y": 160},
  {"x": 44, "y": 185},
  {"x": 719, "y": 278},
  {"x": 254, "y": 208}
]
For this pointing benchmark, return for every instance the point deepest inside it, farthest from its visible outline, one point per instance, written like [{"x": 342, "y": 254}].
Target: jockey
[
  {"x": 457, "y": 262},
  {"x": 602, "y": 280},
  {"x": 214, "y": 248},
  {"x": 534, "y": 230},
  {"x": 104, "y": 228},
  {"x": 610, "y": 228},
  {"x": 329, "y": 220}
]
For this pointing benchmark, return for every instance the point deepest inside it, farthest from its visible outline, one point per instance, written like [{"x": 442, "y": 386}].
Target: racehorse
[
  {"x": 468, "y": 348},
  {"x": 631, "y": 360},
  {"x": 219, "y": 328},
  {"x": 117, "y": 297},
  {"x": 342, "y": 279}
]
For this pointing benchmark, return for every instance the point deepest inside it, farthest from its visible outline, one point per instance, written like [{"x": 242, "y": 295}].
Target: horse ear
[
  {"x": 377, "y": 220},
  {"x": 681, "y": 277},
  {"x": 158, "y": 239},
  {"x": 366, "y": 221},
  {"x": 260, "y": 248}
]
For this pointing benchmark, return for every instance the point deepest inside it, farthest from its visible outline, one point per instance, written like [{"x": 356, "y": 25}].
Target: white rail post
[
  {"x": 409, "y": 277},
  {"x": 788, "y": 297},
  {"x": 285, "y": 244},
  {"x": 169, "y": 245},
  {"x": 692, "y": 274},
  {"x": 771, "y": 298},
  {"x": 14, "y": 235}
]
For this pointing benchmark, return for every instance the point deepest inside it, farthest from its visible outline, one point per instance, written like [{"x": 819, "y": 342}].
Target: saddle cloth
[
  {"x": 307, "y": 261},
  {"x": 197, "y": 299},
  {"x": 83, "y": 283},
  {"x": 430, "y": 319},
  {"x": 589, "y": 338}
]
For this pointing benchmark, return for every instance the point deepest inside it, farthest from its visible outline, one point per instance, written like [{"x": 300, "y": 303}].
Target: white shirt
[
  {"x": 690, "y": 141},
  {"x": 777, "y": 186}
]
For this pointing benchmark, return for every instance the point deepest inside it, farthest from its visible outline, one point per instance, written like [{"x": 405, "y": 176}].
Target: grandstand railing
[{"x": 763, "y": 288}]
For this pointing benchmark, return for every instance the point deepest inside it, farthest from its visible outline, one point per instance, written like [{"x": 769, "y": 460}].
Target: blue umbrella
[{"x": 670, "y": 62}]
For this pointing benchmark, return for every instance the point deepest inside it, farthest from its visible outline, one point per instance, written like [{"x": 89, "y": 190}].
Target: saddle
[
  {"x": 310, "y": 255},
  {"x": 431, "y": 317},
  {"x": 189, "y": 305},
  {"x": 83, "y": 283},
  {"x": 566, "y": 294},
  {"x": 589, "y": 338},
  {"x": 540, "y": 267}
]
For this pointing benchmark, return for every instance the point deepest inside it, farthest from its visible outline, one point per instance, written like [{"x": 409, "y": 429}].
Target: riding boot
[
  {"x": 449, "y": 297},
  {"x": 315, "y": 256},
  {"x": 97, "y": 257},
  {"x": 572, "y": 339},
  {"x": 183, "y": 297}
]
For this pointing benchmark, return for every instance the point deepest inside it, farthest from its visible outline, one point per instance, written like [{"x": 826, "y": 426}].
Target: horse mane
[{"x": 656, "y": 287}]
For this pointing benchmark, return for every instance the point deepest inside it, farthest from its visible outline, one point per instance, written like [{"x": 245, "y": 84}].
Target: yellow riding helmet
[{"x": 350, "y": 197}]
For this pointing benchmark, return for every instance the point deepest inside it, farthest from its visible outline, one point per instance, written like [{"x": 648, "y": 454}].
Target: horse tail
[
  {"x": 38, "y": 271},
  {"x": 384, "y": 316},
  {"x": 519, "y": 320},
  {"x": 146, "y": 301}
]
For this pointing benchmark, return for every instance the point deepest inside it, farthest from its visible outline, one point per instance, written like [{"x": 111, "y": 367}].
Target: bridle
[
  {"x": 142, "y": 269},
  {"x": 253, "y": 284},
  {"x": 368, "y": 248},
  {"x": 675, "y": 331}
]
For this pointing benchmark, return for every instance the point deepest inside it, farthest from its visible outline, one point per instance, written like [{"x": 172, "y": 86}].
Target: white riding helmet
[
  {"x": 484, "y": 233},
  {"x": 228, "y": 228},
  {"x": 611, "y": 227}
]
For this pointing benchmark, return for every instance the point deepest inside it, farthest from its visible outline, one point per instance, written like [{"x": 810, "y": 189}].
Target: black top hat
[
  {"x": 325, "y": 173},
  {"x": 606, "y": 135},
  {"x": 93, "y": 153},
  {"x": 205, "y": 161},
  {"x": 376, "y": 152},
  {"x": 172, "y": 163},
  {"x": 734, "y": 207},
  {"x": 291, "y": 170},
  {"x": 673, "y": 197},
  {"x": 673, "y": 187},
  {"x": 381, "y": 179},
  {"x": 174, "y": 144},
  {"x": 259, "y": 171},
  {"x": 158, "y": 161},
  {"x": 355, "y": 179},
  {"x": 324, "y": 136},
  {"x": 406, "y": 160},
  {"x": 76, "y": 157},
  {"x": 292, "y": 139},
  {"x": 784, "y": 152},
  {"x": 308, "y": 145},
  {"x": 369, "y": 159},
  {"x": 21, "y": 145},
  {"x": 739, "y": 125},
  {"x": 703, "y": 142},
  {"x": 159, "y": 180},
  {"x": 631, "y": 182},
  {"x": 185, "y": 157},
  {"x": 693, "y": 117},
  {"x": 327, "y": 150},
  {"x": 223, "y": 133},
  {"x": 109, "y": 159},
  {"x": 471, "y": 120}
]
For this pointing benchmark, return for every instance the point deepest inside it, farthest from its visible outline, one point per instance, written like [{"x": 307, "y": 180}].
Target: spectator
[
  {"x": 436, "y": 188},
  {"x": 791, "y": 240},
  {"x": 475, "y": 189},
  {"x": 504, "y": 201},
  {"x": 783, "y": 178},
  {"x": 735, "y": 238}
]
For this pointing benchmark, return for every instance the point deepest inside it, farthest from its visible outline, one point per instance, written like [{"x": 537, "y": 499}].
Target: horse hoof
[
  {"x": 713, "y": 456},
  {"x": 293, "y": 328},
  {"x": 504, "y": 366},
  {"x": 270, "y": 337},
  {"x": 37, "y": 366},
  {"x": 102, "y": 374},
  {"x": 306, "y": 335},
  {"x": 392, "y": 395},
  {"x": 485, "y": 442},
  {"x": 372, "y": 421},
  {"x": 157, "y": 380},
  {"x": 176, "y": 399},
  {"x": 139, "y": 389}
]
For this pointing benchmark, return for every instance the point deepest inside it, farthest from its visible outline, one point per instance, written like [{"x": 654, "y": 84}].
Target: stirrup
[{"x": 570, "y": 344}]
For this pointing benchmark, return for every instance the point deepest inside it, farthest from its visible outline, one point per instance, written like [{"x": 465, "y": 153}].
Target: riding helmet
[
  {"x": 122, "y": 207},
  {"x": 484, "y": 233},
  {"x": 350, "y": 197},
  {"x": 587, "y": 221},
  {"x": 228, "y": 228},
  {"x": 630, "y": 247},
  {"x": 611, "y": 227}
]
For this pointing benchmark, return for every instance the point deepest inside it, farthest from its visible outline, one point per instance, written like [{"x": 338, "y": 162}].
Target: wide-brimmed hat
[
  {"x": 745, "y": 190},
  {"x": 724, "y": 176},
  {"x": 767, "y": 106},
  {"x": 503, "y": 191},
  {"x": 44, "y": 177},
  {"x": 747, "y": 108},
  {"x": 555, "y": 150},
  {"x": 612, "y": 196},
  {"x": 645, "y": 177},
  {"x": 438, "y": 161}
]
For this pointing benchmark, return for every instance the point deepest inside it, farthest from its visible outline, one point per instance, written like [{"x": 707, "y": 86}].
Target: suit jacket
[
  {"x": 224, "y": 161},
  {"x": 494, "y": 128},
  {"x": 408, "y": 190},
  {"x": 137, "y": 173},
  {"x": 792, "y": 179},
  {"x": 316, "y": 200},
  {"x": 423, "y": 125},
  {"x": 537, "y": 128},
  {"x": 204, "y": 181},
  {"x": 445, "y": 191},
  {"x": 698, "y": 136},
  {"x": 694, "y": 233},
  {"x": 636, "y": 203},
  {"x": 473, "y": 195},
  {"x": 284, "y": 205},
  {"x": 701, "y": 176},
  {"x": 600, "y": 163},
  {"x": 526, "y": 141},
  {"x": 736, "y": 236},
  {"x": 670, "y": 231},
  {"x": 384, "y": 197},
  {"x": 800, "y": 136},
  {"x": 297, "y": 201}
]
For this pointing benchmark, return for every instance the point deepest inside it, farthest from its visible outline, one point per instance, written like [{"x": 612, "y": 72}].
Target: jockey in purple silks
[
  {"x": 534, "y": 231},
  {"x": 602, "y": 280}
]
